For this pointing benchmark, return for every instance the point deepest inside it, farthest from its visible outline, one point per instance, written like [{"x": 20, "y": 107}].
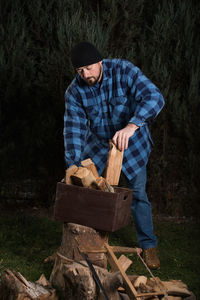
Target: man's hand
[{"x": 121, "y": 137}]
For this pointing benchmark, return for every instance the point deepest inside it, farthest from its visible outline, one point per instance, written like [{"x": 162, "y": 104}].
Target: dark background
[{"x": 160, "y": 37}]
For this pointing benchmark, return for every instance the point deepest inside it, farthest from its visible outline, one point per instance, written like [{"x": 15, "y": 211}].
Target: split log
[
  {"x": 15, "y": 286},
  {"x": 84, "y": 177},
  {"x": 176, "y": 288},
  {"x": 87, "y": 176},
  {"x": 173, "y": 288},
  {"x": 69, "y": 172},
  {"x": 104, "y": 185},
  {"x": 140, "y": 280},
  {"x": 114, "y": 165},
  {"x": 124, "y": 262},
  {"x": 88, "y": 163}
]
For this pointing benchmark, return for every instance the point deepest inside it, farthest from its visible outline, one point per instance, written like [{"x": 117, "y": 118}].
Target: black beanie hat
[{"x": 85, "y": 54}]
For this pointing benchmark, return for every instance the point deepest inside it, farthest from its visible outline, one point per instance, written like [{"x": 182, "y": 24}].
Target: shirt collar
[{"x": 106, "y": 70}]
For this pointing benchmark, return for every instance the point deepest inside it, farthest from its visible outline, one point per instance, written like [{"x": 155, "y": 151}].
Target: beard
[{"x": 93, "y": 79}]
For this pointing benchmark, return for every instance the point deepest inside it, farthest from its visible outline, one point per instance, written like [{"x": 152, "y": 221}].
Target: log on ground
[{"x": 15, "y": 287}]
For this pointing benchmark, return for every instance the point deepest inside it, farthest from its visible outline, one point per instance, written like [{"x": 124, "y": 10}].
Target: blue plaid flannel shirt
[{"x": 94, "y": 113}]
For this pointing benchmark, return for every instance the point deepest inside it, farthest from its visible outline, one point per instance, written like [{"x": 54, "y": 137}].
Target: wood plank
[
  {"x": 114, "y": 164},
  {"x": 92, "y": 250},
  {"x": 124, "y": 262},
  {"x": 115, "y": 249},
  {"x": 131, "y": 291},
  {"x": 119, "y": 249},
  {"x": 88, "y": 163},
  {"x": 150, "y": 294}
]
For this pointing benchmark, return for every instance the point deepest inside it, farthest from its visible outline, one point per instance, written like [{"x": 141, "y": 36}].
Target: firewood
[
  {"x": 88, "y": 163},
  {"x": 156, "y": 284},
  {"x": 176, "y": 288},
  {"x": 140, "y": 280},
  {"x": 15, "y": 286},
  {"x": 70, "y": 171},
  {"x": 124, "y": 262},
  {"x": 79, "y": 282},
  {"x": 115, "y": 249},
  {"x": 111, "y": 283},
  {"x": 84, "y": 177},
  {"x": 104, "y": 185},
  {"x": 93, "y": 250},
  {"x": 43, "y": 281},
  {"x": 114, "y": 165},
  {"x": 119, "y": 249}
]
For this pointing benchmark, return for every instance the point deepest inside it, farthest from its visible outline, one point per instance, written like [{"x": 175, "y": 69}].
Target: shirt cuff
[{"x": 137, "y": 121}]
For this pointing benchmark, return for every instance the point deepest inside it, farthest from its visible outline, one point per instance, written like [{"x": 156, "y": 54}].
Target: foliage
[{"x": 161, "y": 37}]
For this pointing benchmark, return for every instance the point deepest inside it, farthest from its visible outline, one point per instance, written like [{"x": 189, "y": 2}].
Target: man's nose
[{"x": 85, "y": 73}]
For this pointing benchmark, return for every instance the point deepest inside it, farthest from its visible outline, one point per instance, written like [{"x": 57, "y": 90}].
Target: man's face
[{"x": 92, "y": 73}]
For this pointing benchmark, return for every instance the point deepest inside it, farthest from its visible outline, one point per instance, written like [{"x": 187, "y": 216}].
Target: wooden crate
[{"x": 93, "y": 208}]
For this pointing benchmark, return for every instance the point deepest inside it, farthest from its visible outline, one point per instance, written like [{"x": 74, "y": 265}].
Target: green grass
[
  {"x": 25, "y": 241},
  {"x": 179, "y": 252}
]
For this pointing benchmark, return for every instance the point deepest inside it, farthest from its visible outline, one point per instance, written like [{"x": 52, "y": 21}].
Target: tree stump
[
  {"x": 71, "y": 272},
  {"x": 76, "y": 236}
]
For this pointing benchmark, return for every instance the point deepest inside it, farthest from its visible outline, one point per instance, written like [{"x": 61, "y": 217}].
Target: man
[{"x": 113, "y": 99}]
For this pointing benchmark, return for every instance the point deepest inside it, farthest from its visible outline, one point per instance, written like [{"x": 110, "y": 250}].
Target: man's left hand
[{"x": 121, "y": 137}]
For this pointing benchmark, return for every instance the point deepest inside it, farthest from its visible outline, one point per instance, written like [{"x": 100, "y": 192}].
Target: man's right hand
[{"x": 121, "y": 137}]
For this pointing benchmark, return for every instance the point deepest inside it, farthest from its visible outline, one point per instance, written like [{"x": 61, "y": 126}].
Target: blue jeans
[{"x": 141, "y": 210}]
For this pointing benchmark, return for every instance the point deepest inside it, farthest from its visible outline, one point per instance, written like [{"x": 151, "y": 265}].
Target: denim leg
[{"x": 141, "y": 210}]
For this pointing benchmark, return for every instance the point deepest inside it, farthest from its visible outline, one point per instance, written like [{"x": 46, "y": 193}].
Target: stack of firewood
[
  {"x": 171, "y": 290},
  {"x": 87, "y": 174},
  {"x": 15, "y": 287}
]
